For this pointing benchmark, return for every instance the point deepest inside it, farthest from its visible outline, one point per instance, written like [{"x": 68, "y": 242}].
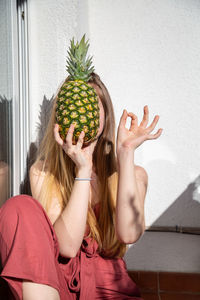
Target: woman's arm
[
  {"x": 132, "y": 187},
  {"x": 69, "y": 225},
  {"x": 130, "y": 223}
]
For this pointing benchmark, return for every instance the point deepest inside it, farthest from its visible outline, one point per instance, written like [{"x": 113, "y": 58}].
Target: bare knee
[{"x": 32, "y": 291}]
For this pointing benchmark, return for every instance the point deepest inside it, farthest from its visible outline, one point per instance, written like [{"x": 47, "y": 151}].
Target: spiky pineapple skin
[{"x": 77, "y": 103}]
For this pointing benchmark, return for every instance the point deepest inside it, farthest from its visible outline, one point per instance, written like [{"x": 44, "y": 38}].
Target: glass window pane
[{"x": 6, "y": 83}]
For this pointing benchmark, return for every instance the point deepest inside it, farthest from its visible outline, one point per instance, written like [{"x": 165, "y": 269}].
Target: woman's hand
[
  {"x": 130, "y": 139},
  {"x": 82, "y": 157}
]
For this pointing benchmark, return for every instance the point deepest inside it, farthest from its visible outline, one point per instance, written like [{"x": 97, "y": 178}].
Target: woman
[{"x": 69, "y": 239}]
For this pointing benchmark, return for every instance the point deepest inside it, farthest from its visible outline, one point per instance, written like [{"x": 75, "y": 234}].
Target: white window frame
[{"x": 21, "y": 113}]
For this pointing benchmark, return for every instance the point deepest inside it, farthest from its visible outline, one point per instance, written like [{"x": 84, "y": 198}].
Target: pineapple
[{"x": 77, "y": 101}]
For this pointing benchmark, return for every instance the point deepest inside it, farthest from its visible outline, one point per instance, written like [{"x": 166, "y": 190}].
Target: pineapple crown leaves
[{"x": 79, "y": 66}]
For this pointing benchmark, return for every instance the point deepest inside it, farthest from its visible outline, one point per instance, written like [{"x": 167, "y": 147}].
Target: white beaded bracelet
[{"x": 77, "y": 178}]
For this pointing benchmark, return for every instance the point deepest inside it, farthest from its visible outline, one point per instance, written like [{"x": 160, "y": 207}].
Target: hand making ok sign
[{"x": 130, "y": 139}]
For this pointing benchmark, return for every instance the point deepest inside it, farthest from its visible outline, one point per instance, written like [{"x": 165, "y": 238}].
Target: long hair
[{"x": 60, "y": 174}]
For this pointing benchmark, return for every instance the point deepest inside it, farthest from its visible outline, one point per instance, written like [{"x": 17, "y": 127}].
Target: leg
[
  {"x": 32, "y": 291},
  {"x": 28, "y": 250}
]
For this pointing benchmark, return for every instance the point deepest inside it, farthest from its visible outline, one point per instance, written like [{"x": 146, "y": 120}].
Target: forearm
[
  {"x": 71, "y": 224},
  {"x": 129, "y": 208}
]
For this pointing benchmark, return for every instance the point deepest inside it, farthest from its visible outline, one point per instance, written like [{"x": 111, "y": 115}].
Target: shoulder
[
  {"x": 38, "y": 168},
  {"x": 141, "y": 174},
  {"x": 37, "y": 174}
]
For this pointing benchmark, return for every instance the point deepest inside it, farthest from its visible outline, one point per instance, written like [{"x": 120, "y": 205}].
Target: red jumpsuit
[{"x": 29, "y": 250}]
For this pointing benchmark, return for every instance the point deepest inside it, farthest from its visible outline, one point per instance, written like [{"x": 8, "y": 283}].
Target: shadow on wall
[
  {"x": 44, "y": 115},
  {"x": 170, "y": 251},
  {"x": 5, "y": 147},
  {"x": 185, "y": 209}
]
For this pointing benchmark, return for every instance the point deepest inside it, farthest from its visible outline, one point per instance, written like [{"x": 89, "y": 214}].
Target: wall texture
[
  {"x": 146, "y": 52},
  {"x": 151, "y": 56}
]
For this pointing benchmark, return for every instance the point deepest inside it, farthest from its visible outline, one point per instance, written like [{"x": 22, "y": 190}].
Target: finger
[
  {"x": 156, "y": 135},
  {"x": 134, "y": 121},
  {"x": 70, "y": 135},
  {"x": 57, "y": 135},
  {"x": 80, "y": 140},
  {"x": 153, "y": 124},
  {"x": 145, "y": 119},
  {"x": 123, "y": 118}
]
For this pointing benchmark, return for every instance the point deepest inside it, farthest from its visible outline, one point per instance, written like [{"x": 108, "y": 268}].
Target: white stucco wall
[
  {"x": 51, "y": 26},
  {"x": 146, "y": 52}
]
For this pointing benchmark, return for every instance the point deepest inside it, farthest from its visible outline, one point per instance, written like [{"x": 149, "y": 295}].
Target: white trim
[
  {"x": 14, "y": 178},
  {"x": 21, "y": 114}
]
